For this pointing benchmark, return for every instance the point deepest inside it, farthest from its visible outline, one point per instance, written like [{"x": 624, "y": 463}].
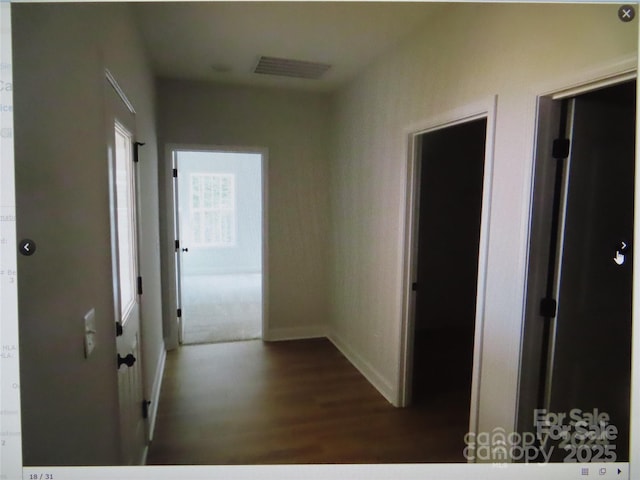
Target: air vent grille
[{"x": 286, "y": 67}]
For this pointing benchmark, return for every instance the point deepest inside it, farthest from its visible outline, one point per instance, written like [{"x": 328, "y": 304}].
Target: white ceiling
[{"x": 190, "y": 39}]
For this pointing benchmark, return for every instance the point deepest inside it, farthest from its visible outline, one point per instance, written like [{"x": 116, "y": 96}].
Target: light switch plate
[{"x": 89, "y": 332}]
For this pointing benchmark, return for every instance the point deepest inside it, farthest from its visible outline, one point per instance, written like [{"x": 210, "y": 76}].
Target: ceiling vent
[{"x": 285, "y": 67}]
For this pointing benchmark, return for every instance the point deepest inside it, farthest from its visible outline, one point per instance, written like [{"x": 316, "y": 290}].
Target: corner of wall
[{"x": 375, "y": 378}]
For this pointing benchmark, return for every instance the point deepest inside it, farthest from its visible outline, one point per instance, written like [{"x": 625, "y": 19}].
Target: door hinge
[
  {"x": 119, "y": 330},
  {"x": 177, "y": 244},
  {"x": 135, "y": 151},
  {"x": 179, "y": 313},
  {"x": 175, "y": 173},
  {"x": 139, "y": 285},
  {"x": 561, "y": 148},
  {"x": 414, "y": 286},
  {"x": 145, "y": 408},
  {"x": 548, "y": 307}
]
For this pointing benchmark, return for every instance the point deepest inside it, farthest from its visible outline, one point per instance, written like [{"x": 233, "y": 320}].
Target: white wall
[
  {"x": 466, "y": 54},
  {"x": 69, "y": 403},
  {"x": 293, "y": 127}
]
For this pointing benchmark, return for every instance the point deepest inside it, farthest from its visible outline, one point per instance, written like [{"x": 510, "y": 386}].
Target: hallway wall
[
  {"x": 465, "y": 55},
  {"x": 293, "y": 127},
  {"x": 69, "y": 403}
]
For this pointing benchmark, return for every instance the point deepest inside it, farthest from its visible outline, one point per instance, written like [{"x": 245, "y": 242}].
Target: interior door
[
  {"x": 590, "y": 366},
  {"x": 121, "y": 144},
  {"x": 178, "y": 248}
]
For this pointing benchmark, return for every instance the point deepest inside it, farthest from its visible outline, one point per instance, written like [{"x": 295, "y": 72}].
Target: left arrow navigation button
[{"x": 27, "y": 247}]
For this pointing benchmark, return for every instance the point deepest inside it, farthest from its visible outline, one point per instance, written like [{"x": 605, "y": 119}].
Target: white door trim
[
  {"x": 483, "y": 109},
  {"x": 617, "y": 71},
  {"x": 119, "y": 91},
  {"x": 264, "y": 153}
]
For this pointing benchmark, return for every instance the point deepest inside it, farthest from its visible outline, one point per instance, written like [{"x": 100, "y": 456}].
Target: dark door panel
[{"x": 591, "y": 365}]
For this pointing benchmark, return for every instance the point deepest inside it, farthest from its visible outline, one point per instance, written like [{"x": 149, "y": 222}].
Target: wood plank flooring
[{"x": 296, "y": 402}]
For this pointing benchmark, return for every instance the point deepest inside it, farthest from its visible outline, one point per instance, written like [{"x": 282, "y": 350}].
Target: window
[
  {"x": 126, "y": 221},
  {"x": 213, "y": 209}
]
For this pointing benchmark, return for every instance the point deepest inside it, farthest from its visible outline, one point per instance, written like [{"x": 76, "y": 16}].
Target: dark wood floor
[{"x": 296, "y": 402}]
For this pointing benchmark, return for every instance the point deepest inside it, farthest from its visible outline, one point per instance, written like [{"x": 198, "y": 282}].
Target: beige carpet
[{"x": 221, "y": 308}]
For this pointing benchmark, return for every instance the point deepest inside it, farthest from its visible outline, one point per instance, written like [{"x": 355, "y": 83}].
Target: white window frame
[
  {"x": 125, "y": 199},
  {"x": 217, "y": 236}
]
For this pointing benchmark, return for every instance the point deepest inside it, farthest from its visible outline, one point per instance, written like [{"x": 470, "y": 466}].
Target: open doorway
[
  {"x": 219, "y": 247},
  {"x": 449, "y": 184},
  {"x": 576, "y": 360}
]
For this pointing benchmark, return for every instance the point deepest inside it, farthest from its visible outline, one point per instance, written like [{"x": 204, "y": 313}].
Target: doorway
[
  {"x": 449, "y": 168},
  {"x": 220, "y": 244},
  {"x": 576, "y": 357}
]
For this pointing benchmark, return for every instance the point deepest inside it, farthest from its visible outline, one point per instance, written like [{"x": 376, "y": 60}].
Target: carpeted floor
[{"x": 221, "y": 308}]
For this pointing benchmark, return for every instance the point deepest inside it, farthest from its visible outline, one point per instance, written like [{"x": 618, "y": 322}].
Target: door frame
[
  {"x": 546, "y": 111},
  {"x": 483, "y": 109},
  {"x": 170, "y": 150}
]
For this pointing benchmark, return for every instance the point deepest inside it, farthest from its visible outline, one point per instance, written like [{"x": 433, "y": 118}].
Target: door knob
[
  {"x": 185, "y": 249},
  {"x": 129, "y": 360}
]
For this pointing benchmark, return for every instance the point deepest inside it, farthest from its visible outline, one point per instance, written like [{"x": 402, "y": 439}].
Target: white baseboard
[
  {"x": 374, "y": 377},
  {"x": 144, "y": 455},
  {"x": 155, "y": 394},
  {"x": 295, "y": 333}
]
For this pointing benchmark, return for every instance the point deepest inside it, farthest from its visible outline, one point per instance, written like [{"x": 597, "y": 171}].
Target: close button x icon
[{"x": 626, "y": 13}]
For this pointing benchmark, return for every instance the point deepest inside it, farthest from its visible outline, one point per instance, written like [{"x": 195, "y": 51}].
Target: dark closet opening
[{"x": 451, "y": 172}]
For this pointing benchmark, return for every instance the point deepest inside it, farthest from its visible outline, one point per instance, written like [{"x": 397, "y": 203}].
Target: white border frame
[
  {"x": 264, "y": 153},
  {"x": 483, "y": 109},
  {"x": 634, "y": 427}
]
